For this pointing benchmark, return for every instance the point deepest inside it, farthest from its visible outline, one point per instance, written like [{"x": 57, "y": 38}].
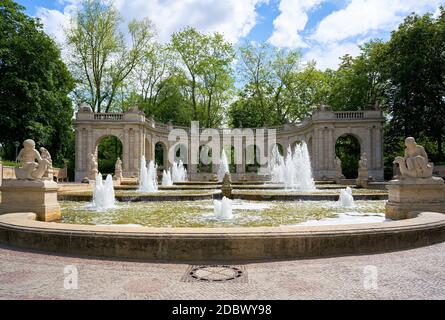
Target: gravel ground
[{"x": 411, "y": 274}]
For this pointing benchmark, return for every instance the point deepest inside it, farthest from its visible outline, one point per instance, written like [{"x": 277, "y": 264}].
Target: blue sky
[{"x": 323, "y": 30}]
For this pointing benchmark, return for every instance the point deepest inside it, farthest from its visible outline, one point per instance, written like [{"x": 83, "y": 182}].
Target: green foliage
[
  {"x": 414, "y": 70},
  {"x": 204, "y": 63},
  {"x": 10, "y": 163},
  {"x": 357, "y": 83},
  {"x": 278, "y": 88},
  {"x": 102, "y": 61},
  {"x": 34, "y": 85}
]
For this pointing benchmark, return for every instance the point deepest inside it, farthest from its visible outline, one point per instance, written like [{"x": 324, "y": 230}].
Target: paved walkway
[{"x": 412, "y": 274}]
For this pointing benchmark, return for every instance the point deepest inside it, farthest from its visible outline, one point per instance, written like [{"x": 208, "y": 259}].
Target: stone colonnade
[{"x": 140, "y": 135}]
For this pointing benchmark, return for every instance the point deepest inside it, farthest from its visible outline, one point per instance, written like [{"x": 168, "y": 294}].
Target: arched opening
[
  {"x": 294, "y": 144},
  {"x": 109, "y": 148},
  {"x": 205, "y": 159},
  {"x": 280, "y": 148},
  {"x": 181, "y": 154},
  {"x": 347, "y": 148},
  {"x": 160, "y": 156},
  {"x": 252, "y": 156}
]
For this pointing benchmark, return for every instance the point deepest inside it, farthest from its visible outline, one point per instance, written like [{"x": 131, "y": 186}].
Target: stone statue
[
  {"x": 118, "y": 169},
  {"x": 93, "y": 170},
  {"x": 47, "y": 156},
  {"x": 30, "y": 169},
  {"x": 338, "y": 169},
  {"x": 85, "y": 108},
  {"x": 363, "y": 173},
  {"x": 415, "y": 163},
  {"x": 363, "y": 162}
]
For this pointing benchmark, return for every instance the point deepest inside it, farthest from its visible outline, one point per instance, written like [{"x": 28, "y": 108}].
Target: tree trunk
[{"x": 195, "y": 113}]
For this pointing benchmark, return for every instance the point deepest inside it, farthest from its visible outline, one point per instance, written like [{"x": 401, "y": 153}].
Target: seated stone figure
[
  {"x": 415, "y": 163},
  {"x": 363, "y": 162},
  {"x": 30, "y": 169}
]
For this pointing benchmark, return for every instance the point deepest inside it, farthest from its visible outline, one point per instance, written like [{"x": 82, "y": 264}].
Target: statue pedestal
[
  {"x": 39, "y": 197},
  {"x": 415, "y": 194},
  {"x": 363, "y": 177}
]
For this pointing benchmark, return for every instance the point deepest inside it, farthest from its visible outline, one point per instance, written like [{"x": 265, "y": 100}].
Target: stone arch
[
  {"x": 205, "y": 162},
  {"x": 161, "y": 155},
  {"x": 181, "y": 154},
  {"x": 348, "y": 148},
  {"x": 108, "y": 148},
  {"x": 281, "y": 148}
]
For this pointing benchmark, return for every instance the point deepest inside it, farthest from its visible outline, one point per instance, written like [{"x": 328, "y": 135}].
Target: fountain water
[
  {"x": 148, "y": 180},
  {"x": 223, "y": 209},
  {"x": 223, "y": 167},
  {"x": 167, "y": 179},
  {"x": 295, "y": 171},
  {"x": 346, "y": 199},
  {"x": 178, "y": 172},
  {"x": 103, "y": 193}
]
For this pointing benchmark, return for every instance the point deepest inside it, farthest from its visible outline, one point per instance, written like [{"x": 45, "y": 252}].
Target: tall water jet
[
  {"x": 223, "y": 209},
  {"x": 103, "y": 193},
  {"x": 224, "y": 166},
  {"x": 178, "y": 172},
  {"x": 167, "y": 179},
  {"x": 295, "y": 170},
  {"x": 346, "y": 199},
  {"x": 148, "y": 179}
]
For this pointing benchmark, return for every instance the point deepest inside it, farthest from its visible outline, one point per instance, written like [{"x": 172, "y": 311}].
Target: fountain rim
[{"x": 217, "y": 244}]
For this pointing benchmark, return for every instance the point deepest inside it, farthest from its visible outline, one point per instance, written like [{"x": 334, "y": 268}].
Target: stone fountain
[
  {"x": 415, "y": 189},
  {"x": 34, "y": 190}
]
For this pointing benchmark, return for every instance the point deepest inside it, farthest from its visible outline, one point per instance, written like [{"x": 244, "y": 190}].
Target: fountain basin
[
  {"x": 200, "y": 214},
  {"x": 221, "y": 244}
]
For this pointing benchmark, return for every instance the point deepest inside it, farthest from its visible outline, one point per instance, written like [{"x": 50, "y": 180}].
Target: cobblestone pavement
[{"x": 411, "y": 274}]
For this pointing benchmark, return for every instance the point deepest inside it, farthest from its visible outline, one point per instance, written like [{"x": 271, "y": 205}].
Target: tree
[
  {"x": 414, "y": 70},
  {"x": 277, "y": 85},
  {"x": 205, "y": 62},
  {"x": 217, "y": 76},
  {"x": 357, "y": 83},
  {"x": 34, "y": 86},
  {"x": 101, "y": 58},
  {"x": 149, "y": 77}
]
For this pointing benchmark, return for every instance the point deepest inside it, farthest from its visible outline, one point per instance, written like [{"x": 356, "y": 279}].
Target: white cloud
[
  {"x": 328, "y": 56},
  {"x": 360, "y": 17},
  {"x": 291, "y": 21},
  {"x": 233, "y": 18}
]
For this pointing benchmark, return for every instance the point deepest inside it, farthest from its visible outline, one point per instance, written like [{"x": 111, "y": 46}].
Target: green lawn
[{"x": 8, "y": 163}]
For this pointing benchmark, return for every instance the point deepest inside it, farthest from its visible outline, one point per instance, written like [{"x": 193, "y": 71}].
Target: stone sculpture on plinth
[
  {"x": 338, "y": 170},
  {"x": 118, "y": 170},
  {"x": 363, "y": 173},
  {"x": 415, "y": 189},
  {"x": 33, "y": 190},
  {"x": 93, "y": 169}
]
